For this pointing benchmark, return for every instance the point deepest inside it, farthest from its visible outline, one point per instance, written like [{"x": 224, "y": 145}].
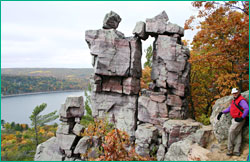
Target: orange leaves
[
  {"x": 225, "y": 83},
  {"x": 146, "y": 77},
  {"x": 98, "y": 128},
  {"x": 116, "y": 144},
  {"x": 188, "y": 22},
  {"x": 220, "y": 52}
]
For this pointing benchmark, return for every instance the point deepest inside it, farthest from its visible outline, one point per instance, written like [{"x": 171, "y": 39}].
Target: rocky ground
[{"x": 219, "y": 154}]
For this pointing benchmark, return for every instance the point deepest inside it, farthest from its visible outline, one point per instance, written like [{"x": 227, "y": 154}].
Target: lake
[{"x": 19, "y": 108}]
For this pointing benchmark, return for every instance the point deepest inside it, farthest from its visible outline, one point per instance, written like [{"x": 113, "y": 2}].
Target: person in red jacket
[{"x": 239, "y": 111}]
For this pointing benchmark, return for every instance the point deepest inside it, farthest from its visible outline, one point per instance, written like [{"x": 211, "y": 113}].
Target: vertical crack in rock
[{"x": 130, "y": 56}]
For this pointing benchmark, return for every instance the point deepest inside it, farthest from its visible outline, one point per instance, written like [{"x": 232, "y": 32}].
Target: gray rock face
[
  {"x": 157, "y": 25},
  {"x": 48, "y": 151},
  {"x": 140, "y": 30},
  {"x": 177, "y": 130},
  {"x": 160, "y": 25},
  {"x": 65, "y": 142},
  {"x": 221, "y": 127},
  {"x": 178, "y": 151},
  {"x": 131, "y": 86},
  {"x": 161, "y": 153},
  {"x": 120, "y": 108},
  {"x": 146, "y": 135},
  {"x": 111, "y": 20},
  {"x": 114, "y": 55},
  {"x": 198, "y": 153},
  {"x": 203, "y": 136},
  {"x": 170, "y": 72},
  {"x": 110, "y": 49},
  {"x": 72, "y": 108},
  {"x": 151, "y": 111},
  {"x": 83, "y": 145},
  {"x": 63, "y": 128},
  {"x": 78, "y": 129}
]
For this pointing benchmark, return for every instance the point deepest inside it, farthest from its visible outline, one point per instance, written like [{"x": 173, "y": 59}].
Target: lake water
[{"x": 19, "y": 108}]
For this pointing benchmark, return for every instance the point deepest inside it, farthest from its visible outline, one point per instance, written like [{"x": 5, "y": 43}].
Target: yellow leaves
[
  {"x": 146, "y": 77},
  {"x": 188, "y": 23},
  {"x": 42, "y": 131},
  {"x": 226, "y": 82},
  {"x": 50, "y": 134}
]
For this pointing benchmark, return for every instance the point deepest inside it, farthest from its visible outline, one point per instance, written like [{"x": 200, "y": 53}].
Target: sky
[{"x": 43, "y": 34}]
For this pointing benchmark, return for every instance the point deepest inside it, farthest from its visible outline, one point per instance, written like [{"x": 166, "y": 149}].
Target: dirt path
[{"x": 219, "y": 154}]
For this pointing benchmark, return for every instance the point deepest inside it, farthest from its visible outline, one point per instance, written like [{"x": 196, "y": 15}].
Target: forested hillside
[{"x": 28, "y": 80}]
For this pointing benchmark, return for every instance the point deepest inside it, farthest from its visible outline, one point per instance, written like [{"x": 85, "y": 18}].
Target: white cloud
[{"x": 51, "y": 34}]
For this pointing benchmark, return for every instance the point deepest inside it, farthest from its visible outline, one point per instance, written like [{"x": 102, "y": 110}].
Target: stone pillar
[
  {"x": 117, "y": 72},
  {"x": 170, "y": 71}
]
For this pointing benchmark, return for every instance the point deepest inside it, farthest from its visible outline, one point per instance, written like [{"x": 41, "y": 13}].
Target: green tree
[
  {"x": 40, "y": 120},
  {"x": 2, "y": 122},
  {"x": 149, "y": 56}
]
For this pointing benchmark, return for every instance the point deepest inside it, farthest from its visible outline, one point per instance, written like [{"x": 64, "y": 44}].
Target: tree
[
  {"x": 146, "y": 72},
  {"x": 219, "y": 54},
  {"x": 2, "y": 122},
  {"x": 39, "y": 120},
  {"x": 149, "y": 56},
  {"x": 146, "y": 77}
]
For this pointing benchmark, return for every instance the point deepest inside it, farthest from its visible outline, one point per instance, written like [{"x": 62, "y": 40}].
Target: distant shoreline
[{"x": 37, "y": 93}]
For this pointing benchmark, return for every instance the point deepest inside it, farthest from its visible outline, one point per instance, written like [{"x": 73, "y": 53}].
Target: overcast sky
[{"x": 51, "y": 34}]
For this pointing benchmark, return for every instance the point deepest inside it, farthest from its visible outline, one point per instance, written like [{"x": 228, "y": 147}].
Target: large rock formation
[
  {"x": 67, "y": 135},
  {"x": 117, "y": 72},
  {"x": 116, "y": 87},
  {"x": 116, "y": 79}
]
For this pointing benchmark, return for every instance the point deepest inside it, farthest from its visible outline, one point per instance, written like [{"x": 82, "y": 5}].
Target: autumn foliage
[
  {"x": 20, "y": 145},
  {"x": 220, "y": 52},
  {"x": 116, "y": 145},
  {"x": 146, "y": 77}
]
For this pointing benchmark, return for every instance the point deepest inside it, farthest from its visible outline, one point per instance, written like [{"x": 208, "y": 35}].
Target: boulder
[
  {"x": 83, "y": 145},
  {"x": 146, "y": 135},
  {"x": 65, "y": 142},
  {"x": 178, "y": 151},
  {"x": 140, "y": 30},
  {"x": 72, "y": 108},
  {"x": 174, "y": 29},
  {"x": 78, "y": 129},
  {"x": 221, "y": 127},
  {"x": 151, "y": 111},
  {"x": 48, "y": 151},
  {"x": 157, "y": 24},
  {"x": 198, "y": 153},
  {"x": 177, "y": 130},
  {"x": 173, "y": 100},
  {"x": 178, "y": 112},
  {"x": 111, "y": 49},
  {"x": 203, "y": 136},
  {"x": 118, "y": 108},
  {"x": 161, "y": 153},
  {"x": 63, "y": 128},
  {"x": 186, "y": 150},
  {"x": 111, "y": 20}
]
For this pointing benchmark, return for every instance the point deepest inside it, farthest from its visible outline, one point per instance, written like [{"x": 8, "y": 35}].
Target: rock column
[
  {"x": 170, "y": 71},
  {"x": 117, "y": 72},
  {"x": 62, "y": 147}
]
